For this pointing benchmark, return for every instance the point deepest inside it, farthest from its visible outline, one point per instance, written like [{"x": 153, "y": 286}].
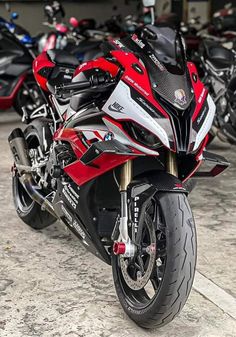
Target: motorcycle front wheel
[{"x": 154, "y": 285}]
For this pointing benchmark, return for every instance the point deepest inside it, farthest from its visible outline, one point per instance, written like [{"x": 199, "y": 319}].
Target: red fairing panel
[
  {"x": 99, "y": 63},
  {"x": 71, "y": 136},
  {"x": 81, "y": 173},
  {"x": 8, "y": 101},
  {"x": 140, "y": 82},
  {"x": 41, "y": 63}
]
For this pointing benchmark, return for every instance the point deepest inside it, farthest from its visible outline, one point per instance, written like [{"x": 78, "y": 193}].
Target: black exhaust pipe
[{"x": 19, "y": 149}]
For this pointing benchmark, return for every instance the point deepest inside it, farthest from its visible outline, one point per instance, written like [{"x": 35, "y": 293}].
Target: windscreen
[
  {"x": 162, "y": 52},
  {"x": 168, "y": 49}
]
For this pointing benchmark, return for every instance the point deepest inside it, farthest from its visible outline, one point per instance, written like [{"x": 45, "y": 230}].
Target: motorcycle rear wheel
[
  {"x": 27, "y": 209},
  {"x": 170, "y": 283}
]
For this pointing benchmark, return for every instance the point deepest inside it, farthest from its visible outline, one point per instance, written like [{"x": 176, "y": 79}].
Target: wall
[
  {"x": 31, "y": 14},
  {"x": 199, "y": 8},
  {"x": 163, "y": 7}
]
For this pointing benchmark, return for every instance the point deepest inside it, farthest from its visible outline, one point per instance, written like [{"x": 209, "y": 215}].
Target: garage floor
[{"x": 51, "y": 287}]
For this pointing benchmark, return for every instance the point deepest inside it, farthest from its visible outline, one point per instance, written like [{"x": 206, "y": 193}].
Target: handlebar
[{"x": 104, "y": 80}]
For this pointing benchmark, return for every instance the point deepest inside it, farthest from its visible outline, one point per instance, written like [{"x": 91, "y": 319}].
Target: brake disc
[{"x": 141, "y": 279}]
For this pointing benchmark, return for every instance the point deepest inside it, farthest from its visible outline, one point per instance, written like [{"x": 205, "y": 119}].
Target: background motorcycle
[
  {"x": 219, "y": 65},
  {"x": 19, "y": 32},
  {"x": 114, "y": 126},
  {"x": 80, "y": 38},
  {"x": 18, "y": 87},
  {"x": 221, "y": 28}
]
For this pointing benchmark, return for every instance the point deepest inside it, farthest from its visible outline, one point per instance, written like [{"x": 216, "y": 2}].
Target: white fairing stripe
[
  {"x": 207, "y": 123},
  {"x": 122, "y": 138},
  {"x": 131, "y": 110}
]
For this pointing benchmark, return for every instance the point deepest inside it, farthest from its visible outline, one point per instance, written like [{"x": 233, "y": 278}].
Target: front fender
[
  {"x": 161, "y": 181},
  {"x": 143, "y": 189}
]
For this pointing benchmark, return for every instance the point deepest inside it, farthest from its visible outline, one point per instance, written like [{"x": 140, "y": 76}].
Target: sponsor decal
[
  {"x": 119, "y": 44},
  {"x": 201, "y": 96},
  {"x": 70, "y": 195},
  {"x": 141, "y": 100},
  {"x": 136, "y": 214},
  {"x": 67, "y": 215},
  {"x": 202, "y": 115},
  {"x": 68, "y": 77},
  {"x": 138, "y": 41},
  {"x": 157, "y": 62},
  {"x": 136, "y": 85},
  {"x": 179, "y": 186},
  {"x": 180, "y": 97},
  {"x": 74, "y": 224},
  {"x": 116, "y": 107},
  {"x": 79, "y": 229}
]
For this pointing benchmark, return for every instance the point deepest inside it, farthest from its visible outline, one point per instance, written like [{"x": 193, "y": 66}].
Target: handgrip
[
  {"x": 72, "y": 86},
  {"x": 94, "y": 82}
]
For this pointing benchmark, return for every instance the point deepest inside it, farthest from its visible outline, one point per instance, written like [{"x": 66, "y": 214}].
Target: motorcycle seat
[
  {"x": 219, "y": 56},
  {"x": 62, "y": 58}
]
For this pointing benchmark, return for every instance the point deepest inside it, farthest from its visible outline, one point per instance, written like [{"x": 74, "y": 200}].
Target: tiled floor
[{"x": 51, "y": 287}]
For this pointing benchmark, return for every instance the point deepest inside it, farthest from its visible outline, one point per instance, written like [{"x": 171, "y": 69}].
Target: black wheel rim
[
  {"x": 30, "y": 96},
  {"x": 23, "y": 200},
  {"x": 144, "y": 297}
]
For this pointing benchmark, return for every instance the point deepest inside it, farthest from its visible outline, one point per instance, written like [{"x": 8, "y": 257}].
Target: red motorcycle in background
[
  {"x": 80, "y": 38},
  {"x": 135, "y": 121}
]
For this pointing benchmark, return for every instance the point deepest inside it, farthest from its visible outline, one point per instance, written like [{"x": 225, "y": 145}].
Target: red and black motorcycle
[{"x": 108, "y": 155}]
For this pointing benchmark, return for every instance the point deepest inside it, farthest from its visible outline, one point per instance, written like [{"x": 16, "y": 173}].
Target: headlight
[{"x": 142, "y": 135}]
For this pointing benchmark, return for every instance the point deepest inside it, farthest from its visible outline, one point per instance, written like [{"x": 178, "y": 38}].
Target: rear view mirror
[{"x": 149, "y": 3}]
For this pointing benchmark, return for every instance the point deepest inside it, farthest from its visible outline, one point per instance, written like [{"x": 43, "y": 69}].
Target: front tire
[{"x": 176, "y": 266}]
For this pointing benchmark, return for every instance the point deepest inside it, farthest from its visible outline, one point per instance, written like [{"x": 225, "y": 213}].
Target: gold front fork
[
  {"x": 126, "y": 175},
  {"x": 171, "y": 164},
  {"x": 125, "y": 180}
]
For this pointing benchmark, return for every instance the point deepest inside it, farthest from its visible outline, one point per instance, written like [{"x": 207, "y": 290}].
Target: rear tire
[
  {"x": 178, "y": 269},
  {"x": 28, "y": 210}
]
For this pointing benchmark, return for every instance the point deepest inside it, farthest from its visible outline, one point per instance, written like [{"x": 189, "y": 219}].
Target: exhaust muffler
[{"x": 19, "y": 150}]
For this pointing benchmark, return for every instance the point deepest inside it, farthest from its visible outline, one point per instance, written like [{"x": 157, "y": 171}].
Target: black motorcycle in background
[
  {"x": 219, "y": 66},
  {"x": 18, "y": 87}
]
